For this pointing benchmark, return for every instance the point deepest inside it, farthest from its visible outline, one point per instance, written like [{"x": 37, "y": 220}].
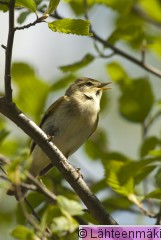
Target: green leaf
[
  {"x": 117, "y": 73},
  {"x": 70, "y": 206},
  {"x": 115, "y": 4},
  {"x": 30, "y": 4},
  {"x": 4, "y": 5},
  {"x": 22, "y": 17},
  {"x": 98, "y": 186},
  {"x": 118, "y": 202},
  {"x": 3, "y": 134},
  {"x": 143, "y": 173},
  {"x": 9, "y": 147},
  {"x": 154, "y": 11},
  {"x": 63, "y": 82},
  {"x": 158, "y": 178},
  {"x": 136, "y": 101},
  {"x": 77, "y": 6},
  {"x": 63, "y": 224},
  {"x": 87, "y": 59},
  {"x": 112, "y": 168},
  {"x": 50, "y": 213},
  {"x": 155, "y": 46},
  {"x": 96, "y": 146},
  {"x": 52, "y": 6},
  {"x": 156, "y": 153},
  {"x": 148, "y": 145},
  {"x": 23, "y": 233},
  {"x": 156, "y": 194},
  {"x": 30, "y": 101},
  {"x": 131, "y": 168},
  {"x": 132, "y": 34},
  {"x": 71, "y": 26}
]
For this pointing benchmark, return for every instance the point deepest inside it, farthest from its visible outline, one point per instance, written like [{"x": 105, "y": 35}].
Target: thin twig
[
  {"x": 4, "y": 47},
  {"x": 8, "y": 88},
  {"x": 42, "y": 189},
  {"x": 158, "y": 217},
  {"x": 116, "y": 50},
  {"x": 38, "y": 20},
  {"x": 32, "y": 209}
]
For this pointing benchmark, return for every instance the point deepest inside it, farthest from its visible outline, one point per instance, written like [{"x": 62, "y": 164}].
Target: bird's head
[{"x": 87, "y": 87}]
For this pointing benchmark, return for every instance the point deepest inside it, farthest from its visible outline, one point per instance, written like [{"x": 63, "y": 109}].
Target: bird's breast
[{"x": 71, "y": 125}]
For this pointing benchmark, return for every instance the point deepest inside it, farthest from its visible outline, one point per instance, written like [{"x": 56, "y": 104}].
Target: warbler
[{"x": 70, "y": 121}]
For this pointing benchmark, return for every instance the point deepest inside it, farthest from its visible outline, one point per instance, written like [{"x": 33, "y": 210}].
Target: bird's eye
[{"x": 89, "y": 83}]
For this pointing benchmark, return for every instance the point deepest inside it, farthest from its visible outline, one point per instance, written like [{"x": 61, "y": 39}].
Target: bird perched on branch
[{"x": 70, "y": 121}]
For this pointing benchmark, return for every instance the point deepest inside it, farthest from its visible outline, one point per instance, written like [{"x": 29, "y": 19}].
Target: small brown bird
[{"x": 71, "y": 120}]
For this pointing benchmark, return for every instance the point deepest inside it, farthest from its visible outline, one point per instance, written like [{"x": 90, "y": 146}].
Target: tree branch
[
  {"x": 38, "y": 20},
  {"x": 116, "y": 50},
  {"x": 9, "y": 109},
  {"x": 96, "y": 209},
  {"x": 8, "y": 89}
]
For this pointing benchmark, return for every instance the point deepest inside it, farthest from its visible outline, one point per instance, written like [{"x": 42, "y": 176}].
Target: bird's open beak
[{"x": 102, "y": 87}]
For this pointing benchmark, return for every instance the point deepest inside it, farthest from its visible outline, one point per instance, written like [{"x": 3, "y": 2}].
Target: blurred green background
[{"x": 113, "y": 161}]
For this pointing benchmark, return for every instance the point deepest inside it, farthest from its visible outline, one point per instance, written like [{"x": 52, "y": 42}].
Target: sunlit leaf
[
  {"x": 77, "y": 6},
  {"x": 71, "y": 26},
  {"x": 70, "y": 206},
  {"x": 112, "y": 168},
  {"x": 132, "y": 34},
  {"x": 117, "y": 73},
  {"x": 23, "y": 233},
  {"x": 154, "y": 11},
  {"x": 10, "y": 147},
  {"x": 156, "y": 153},
  {"x": 30, "y": 101},
  {"x": 143, "y": 173},
  {"x": 156, "y": 194},
  {"x": 52, "y": 6},
  {"x": 131, "y": 168},
  {"x": 87, "y": 59},
  {"x": 30, "y": 4},
  {"x": 148, "y": 145},
  {"x": 155, "y": 46},
  {"x": 63, "y": 224}
]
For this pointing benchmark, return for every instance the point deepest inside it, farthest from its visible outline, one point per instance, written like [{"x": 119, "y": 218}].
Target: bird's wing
[
  {"x": 48, "y": 112},
  {"x": 94, "y": 126}
]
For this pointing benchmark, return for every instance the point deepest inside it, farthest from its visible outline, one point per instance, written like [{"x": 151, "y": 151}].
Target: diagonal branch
[
  {"x": 132, "y": 59},
  {"x": 70, "y": 174},
  {"x": 9, "y": 109},
  {"x": 8, "y": 89}
]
